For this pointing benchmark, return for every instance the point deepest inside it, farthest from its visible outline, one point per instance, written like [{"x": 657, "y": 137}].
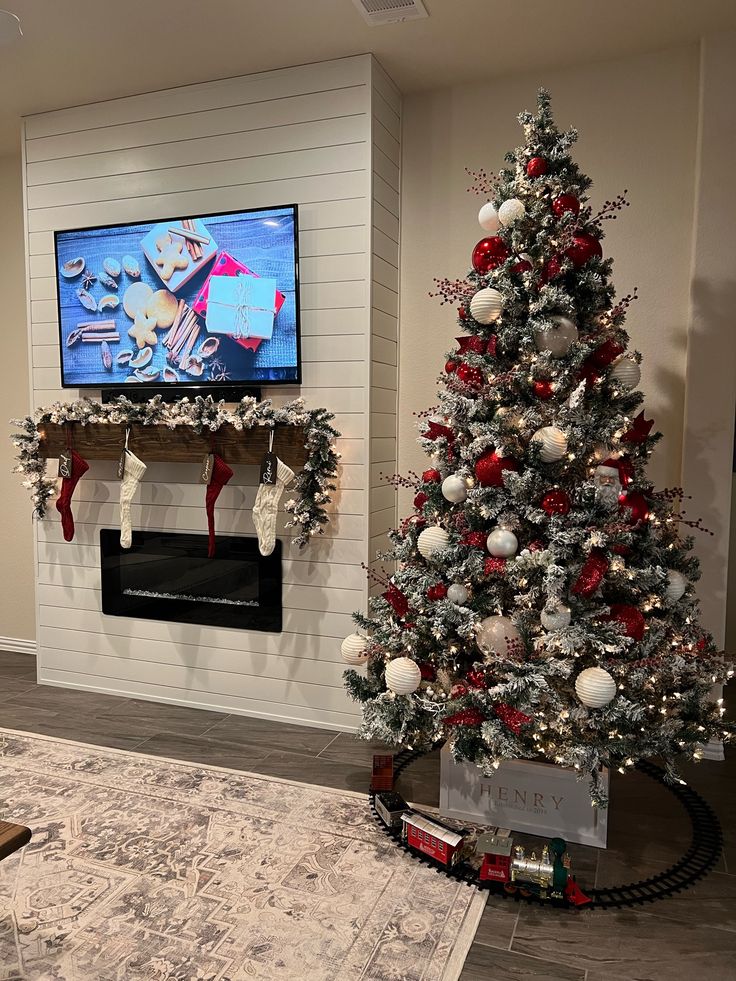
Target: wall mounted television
[{"x": 208, "y": 301}]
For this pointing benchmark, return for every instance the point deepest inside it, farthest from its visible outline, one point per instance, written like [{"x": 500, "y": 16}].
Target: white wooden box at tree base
[{"x": 535, "y": 798}]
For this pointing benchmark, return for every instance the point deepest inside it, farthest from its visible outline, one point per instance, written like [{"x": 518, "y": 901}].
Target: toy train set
[{"x": 505, "y": 867}]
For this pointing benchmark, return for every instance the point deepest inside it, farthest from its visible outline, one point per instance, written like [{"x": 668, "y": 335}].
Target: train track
[{"x": 703, "y": 853}]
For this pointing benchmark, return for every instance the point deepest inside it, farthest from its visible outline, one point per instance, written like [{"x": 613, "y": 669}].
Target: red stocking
[
  {"x": 221, "y": 473},
  {"x": 68, "y": 485}
]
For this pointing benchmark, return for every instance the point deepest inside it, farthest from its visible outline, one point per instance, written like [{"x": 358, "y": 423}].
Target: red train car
[
  {"x": 496, "y": 852},
  {"x": 382, "y": 777},
  {"x": 430, "y": 838}
]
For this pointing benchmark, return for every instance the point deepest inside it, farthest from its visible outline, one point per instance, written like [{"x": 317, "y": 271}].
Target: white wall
[
  {"x": 638, "y": 122},
  {"x": 17, "y": 617},
  {"x": 324, "y": 136}
]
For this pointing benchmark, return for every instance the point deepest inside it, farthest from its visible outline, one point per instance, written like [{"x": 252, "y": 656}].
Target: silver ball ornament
[
  {"x": 625, "y": 372},
  {"x": 502, "y": 543},
  {"x": 557, "y": 337},
  {"x": 556, "y": 618},
  {"x": 458, "y": 593},
  {"x": 595, "y": 687},
  {"x": 494, "y": 634},
  {"x": 454, "y": 489},
  {"x": 676, "y": 585}
]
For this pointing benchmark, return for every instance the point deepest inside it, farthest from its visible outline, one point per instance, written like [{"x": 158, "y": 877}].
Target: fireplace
[{"x": 168, "y": 576}]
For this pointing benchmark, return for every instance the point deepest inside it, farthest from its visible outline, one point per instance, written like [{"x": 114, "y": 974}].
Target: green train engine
[{"x": 547, "y": 877}]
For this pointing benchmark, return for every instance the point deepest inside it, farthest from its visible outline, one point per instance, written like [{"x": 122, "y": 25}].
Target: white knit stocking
[
  {"x": 266, "y": 506},
  {"x": 134, "y": 470}
]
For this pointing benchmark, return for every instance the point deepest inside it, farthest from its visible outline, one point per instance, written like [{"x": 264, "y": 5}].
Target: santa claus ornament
[{"x": 607, "y": 483}]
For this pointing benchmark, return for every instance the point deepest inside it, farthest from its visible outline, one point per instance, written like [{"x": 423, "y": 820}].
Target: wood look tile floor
[{"x": 692, "y": 935}]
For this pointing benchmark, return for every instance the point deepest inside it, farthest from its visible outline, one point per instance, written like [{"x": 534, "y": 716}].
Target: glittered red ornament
[
  {"x": 537, "y": 167},
  {"x": 437, "y": 592},
  {"x": 471, "y": 342},
  {"x": 606, "y": 354},
  {"x": 491, "y": 345},
  {"x": 637, "y": 506},
  {"x": 396, "y": 600},
  {"x": 477, "y": 678},
  {"x": 490, "y": 468},
  {"x": 427, "y": 671},
  {"x": 631, "y": 619},
  {"x": 521, "y": 267},
  {"x": 556, "y": 502},
  {"x": 551, "y": 269},
  {"x": 494, "y": 566},
  {"x": 475, "y": 539},
  {"x": 566, "y": 204},
  {"x": 584, "y": 247},
  {"x": 470, "y": 375},
  {"x": 543, "y": 389},
  {"x": 489, "y": 253},
  {"x": 450, "y": 366},
  {"x": 592, "y": 573},
  {"x": 511, "y": 717},
  {"x": 431, "y": 477},
  {"x": 466, "y": 717},
  {"x": 458, "y": 691},
  {"x": 640, "y": 430},
  {"x": 420, "y": 500}
]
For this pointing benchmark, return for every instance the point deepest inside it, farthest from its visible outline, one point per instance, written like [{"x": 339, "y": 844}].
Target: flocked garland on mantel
[{"x": 313, "y": 483}]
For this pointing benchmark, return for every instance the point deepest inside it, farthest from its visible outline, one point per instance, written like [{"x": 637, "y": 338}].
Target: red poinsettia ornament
[
  {"x": 630, "y": 618},
  {"x": 396, "y": 600},
  {"x": 476, "y": 539},
  {"x": 437, "y": 592},
  {"x": 640, "y": 429},
  {"x": 511, "y": 717},
  {"x": 471, "y": 342}
]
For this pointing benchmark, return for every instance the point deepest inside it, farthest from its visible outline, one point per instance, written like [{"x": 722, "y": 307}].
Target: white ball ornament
[
  {"x": 486, "y": 305},
  {"x": 458, "y": 593},
  {"x": 557, "y": 337},
  {"x": 510, "y": 211},
  {"x": 625, "y": 372},
  {"x": 488, "y": 218},
  {"x": 431, "y": 541},
  {"x": 354, "y": 649},
  {"x": 552, "y": 443},
  {"x": 454, "y": 489},
  {"x": 595, "y": 687},
  {"x": 494, "y": 634},
  {"x": 502, "y": 543},
  {"x": 403, "y": 676},
  {"x": 556, "y": 618},
  {"x": 676, "y": 585}
]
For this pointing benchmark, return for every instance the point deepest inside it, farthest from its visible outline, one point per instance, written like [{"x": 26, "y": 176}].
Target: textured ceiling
[{"x": 76, "y": 51}]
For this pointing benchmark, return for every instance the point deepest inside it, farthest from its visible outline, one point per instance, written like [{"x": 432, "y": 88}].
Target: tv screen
[{"x": 208, "y": 301}]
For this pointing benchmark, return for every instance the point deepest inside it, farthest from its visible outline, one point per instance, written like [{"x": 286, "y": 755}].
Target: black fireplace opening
[{"x": 168, "y": 576}]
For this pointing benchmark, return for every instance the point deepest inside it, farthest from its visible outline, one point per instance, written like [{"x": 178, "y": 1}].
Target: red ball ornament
[
  {"x": 431, "y": 477},
  {"x": 637, "y": 506},
  {"x": 551, "y": 269},
  {"x": 475, "y": 539},
  {"x": 592, "y": 573},
  {"x": 521, "y": 267},
  {"x": 631, "y": 619},
  {"x": 490, "y": 468},
  {"x": 537, "y": 167},
  {"x": 584, "y": 247},
  {"x": 543, "y": 389},
  {"x": 556, "y": 502},
  {"x": 566, "y": 204},
  {"x": 450, "y": 366},
  {"x": 427, "y": 672},
  {"x": 470, "y": 375},
  {"x": 420, "y": 500},
  {"x": 489, "y": 253},
  {"x": 462, "y": 313},
  {"x": 437, "y": 592},
  {"x": 494, "y": 566}
]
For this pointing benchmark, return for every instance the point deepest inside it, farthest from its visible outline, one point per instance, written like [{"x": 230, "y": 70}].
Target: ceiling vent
[{"x": 377, "y": 12}]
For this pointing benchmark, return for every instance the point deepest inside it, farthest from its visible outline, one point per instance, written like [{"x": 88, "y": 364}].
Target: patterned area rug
[{"x": 143, "y": 868}]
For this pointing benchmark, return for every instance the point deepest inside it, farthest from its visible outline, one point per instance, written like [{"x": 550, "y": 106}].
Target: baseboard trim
[{"x": 18, "y": 645}]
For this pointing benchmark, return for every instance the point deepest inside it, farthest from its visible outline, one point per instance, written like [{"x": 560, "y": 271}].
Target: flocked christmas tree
[{"x": 542, "y": 604}]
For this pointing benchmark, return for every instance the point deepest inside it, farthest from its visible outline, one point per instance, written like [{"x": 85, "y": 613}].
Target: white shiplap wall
[{"x": 326, "y": 136}]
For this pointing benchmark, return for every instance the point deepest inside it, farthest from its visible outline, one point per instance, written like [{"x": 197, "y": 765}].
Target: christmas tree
[{"x": 542, "y": 604}]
